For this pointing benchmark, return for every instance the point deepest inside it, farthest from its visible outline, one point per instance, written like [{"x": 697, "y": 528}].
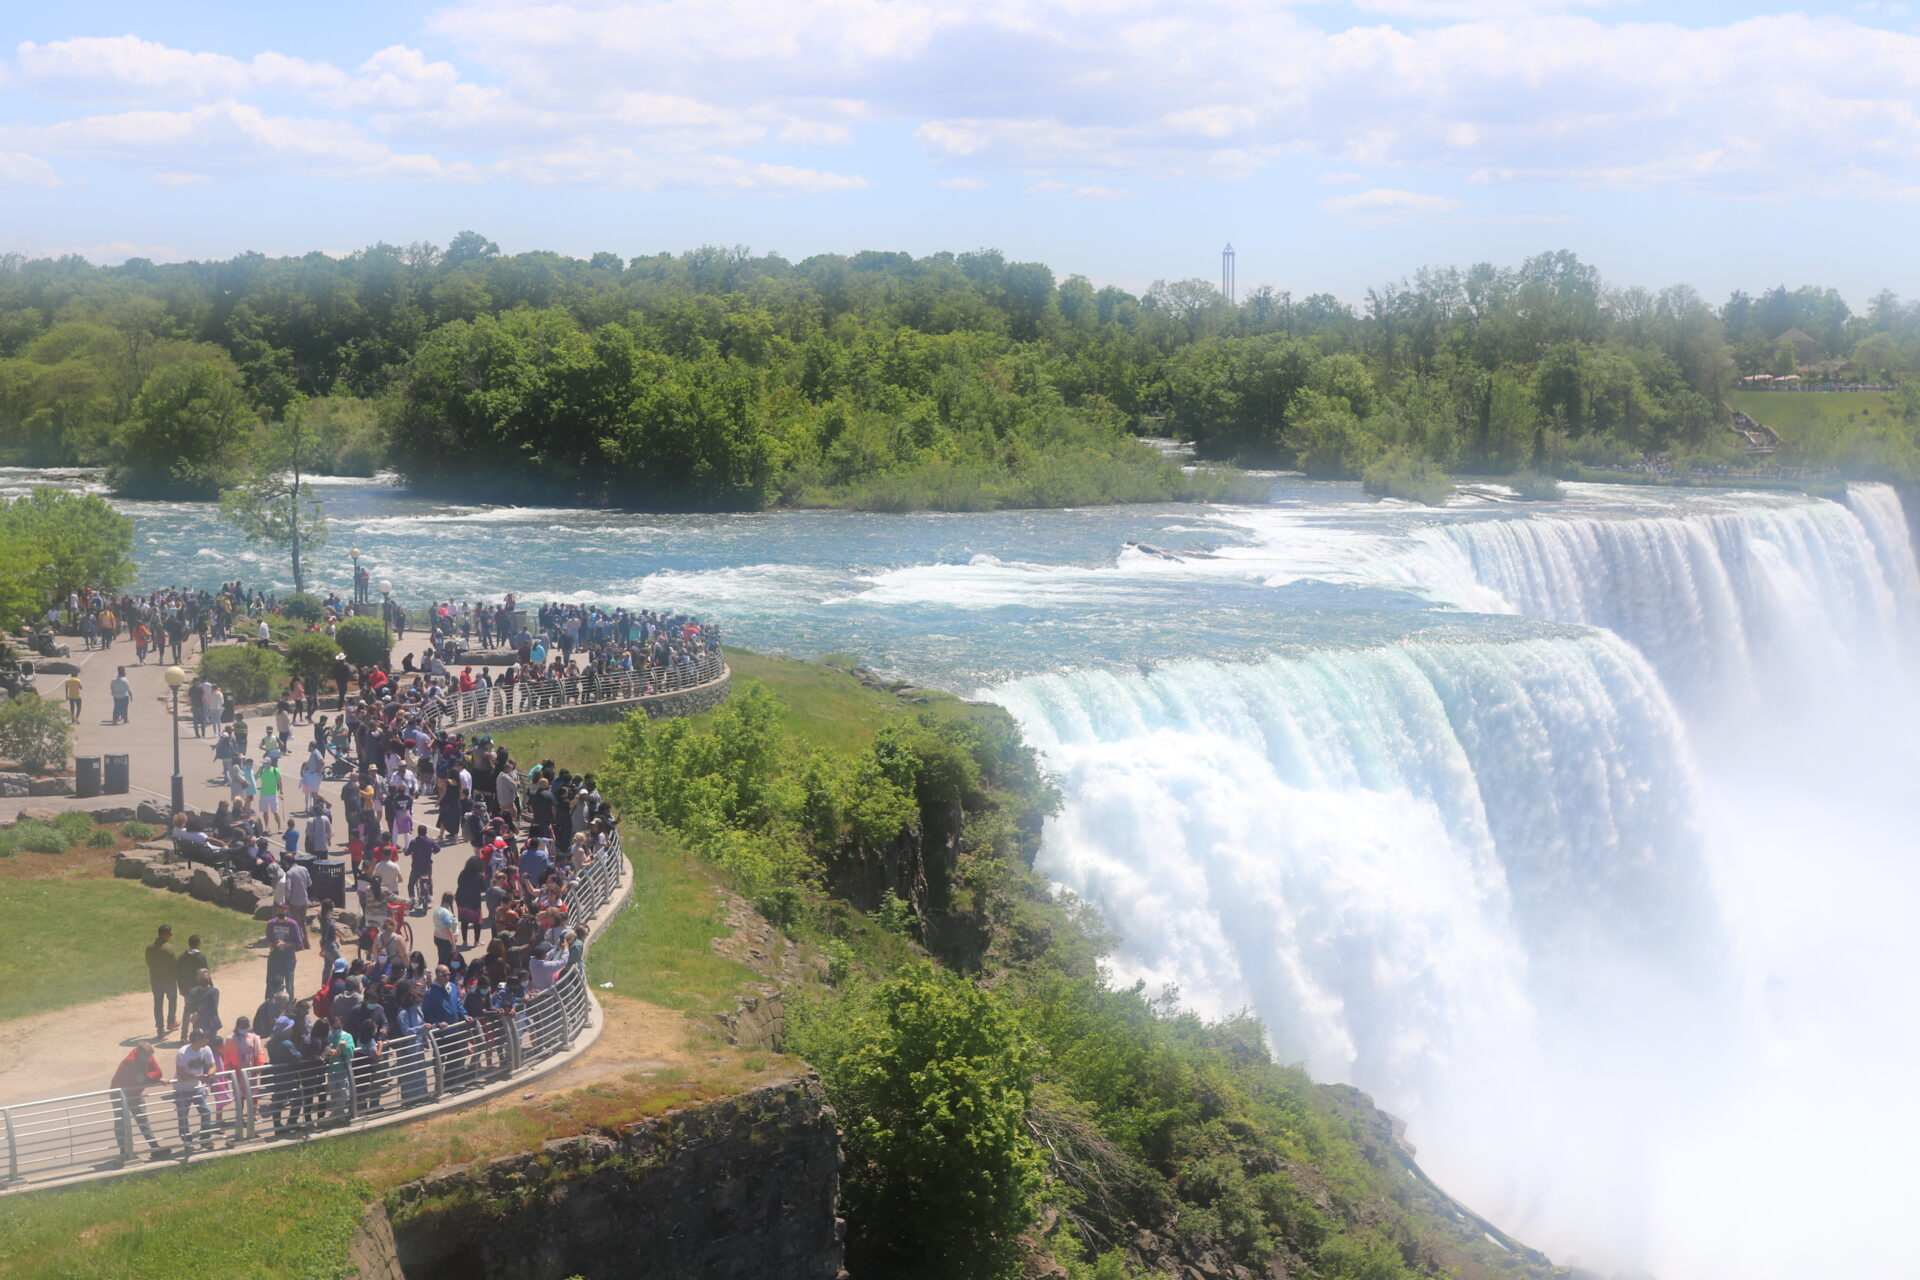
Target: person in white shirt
[
  {"x": 191, "y": 1067},
  {"x": 386, "y": 874}
]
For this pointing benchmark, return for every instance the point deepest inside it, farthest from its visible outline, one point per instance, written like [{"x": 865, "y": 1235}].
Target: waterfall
[{"x": 1586, "y": 903}]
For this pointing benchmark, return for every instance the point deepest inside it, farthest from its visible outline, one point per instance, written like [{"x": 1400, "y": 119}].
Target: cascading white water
[{"x": 1592, "y": 947}]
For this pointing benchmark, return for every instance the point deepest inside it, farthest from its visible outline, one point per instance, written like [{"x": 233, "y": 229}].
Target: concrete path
[{"x": 146, "y": 738}]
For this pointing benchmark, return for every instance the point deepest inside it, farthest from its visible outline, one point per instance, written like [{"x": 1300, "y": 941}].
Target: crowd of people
[
  {"x": 160, "y": 622},
  {"x": 376, "y": 790}
]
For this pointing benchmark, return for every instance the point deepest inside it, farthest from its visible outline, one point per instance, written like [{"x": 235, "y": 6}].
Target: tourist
[
  {"x": 192, "y": 1065},
  {"x": 73, "y": 687},
  {"x": 286, "y": 937},
  {"x": 299, "y": 883},
  {"x": 268, "y": 783},
  {"x": 320, "y": 828},
  {"x": 163, "y": 976},
  {"x": 137, "y": 1072},
  {"x": 122, "y": 693},
  {"x": 445, "y": 937},
  {"x": 337, "y": 1056},
  {"x": 200, "y": 1008}
]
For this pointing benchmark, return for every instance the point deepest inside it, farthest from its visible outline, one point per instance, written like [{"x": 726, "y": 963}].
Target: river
[{"x": 1579, "y": 833}]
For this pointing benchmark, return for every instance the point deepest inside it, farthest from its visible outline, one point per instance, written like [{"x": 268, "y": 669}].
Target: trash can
[
  {"x": 86, "y": 776},
  {"x": 329, "y": 879},
  {"x": 117, "y": 776}
]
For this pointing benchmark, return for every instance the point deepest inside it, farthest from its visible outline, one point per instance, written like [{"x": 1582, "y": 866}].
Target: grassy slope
[
  {"x": 1850, "y": 429},
  {"x": 69, "y": 906}
]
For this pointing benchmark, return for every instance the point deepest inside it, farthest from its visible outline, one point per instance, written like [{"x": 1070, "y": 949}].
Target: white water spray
[{"x": 1591, "y": 950}]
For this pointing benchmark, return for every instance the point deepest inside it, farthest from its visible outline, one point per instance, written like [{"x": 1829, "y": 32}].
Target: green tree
[
  {"x": 932, "y": 1080},
  {"x": 365, "y": 641},
  {"x": 78, "y": 541},
  {"x": 188, "y": 437},
  {"x": 273, "y": 504}
]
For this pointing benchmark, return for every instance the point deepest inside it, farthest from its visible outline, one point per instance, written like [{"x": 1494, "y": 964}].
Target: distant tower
[{"x": 1226, "y": 273}]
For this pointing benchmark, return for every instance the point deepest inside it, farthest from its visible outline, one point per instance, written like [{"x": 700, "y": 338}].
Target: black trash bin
[
  {"x": 86, "y": 776},
  {"x": 118, "y": 781},
  {"x": 329, "y": 879}
]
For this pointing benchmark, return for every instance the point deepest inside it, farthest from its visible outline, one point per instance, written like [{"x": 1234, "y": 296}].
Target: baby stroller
[{"x": 339, "y": 764}]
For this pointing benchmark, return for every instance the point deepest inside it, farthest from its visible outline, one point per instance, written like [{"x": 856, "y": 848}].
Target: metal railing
[
  {"x": 104, "y": 1130},
  {"x": 571, "y": 691}
]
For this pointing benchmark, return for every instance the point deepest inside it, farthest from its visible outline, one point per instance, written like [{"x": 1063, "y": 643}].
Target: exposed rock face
[
  {"x": 14, "y": 784},
  {"x": 50, "y": 787},
  {"x": 742, "y": 1189}
]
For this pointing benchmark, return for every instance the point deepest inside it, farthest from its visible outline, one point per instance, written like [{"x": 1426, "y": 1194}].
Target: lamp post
[
  {"x": 386, "y": 603},
  {"x": 175, "y": 677},
  {"x": 356, "y": 593}
]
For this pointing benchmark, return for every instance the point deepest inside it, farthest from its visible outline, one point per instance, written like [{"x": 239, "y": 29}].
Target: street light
[
  {"x": 175, "y": 677},
  {"x": 355, "y": 553},
  {"x": 386, "y": 603}
]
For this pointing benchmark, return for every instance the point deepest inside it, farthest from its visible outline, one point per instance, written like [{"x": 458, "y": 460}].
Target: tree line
[{"x": 718, "y": 378}]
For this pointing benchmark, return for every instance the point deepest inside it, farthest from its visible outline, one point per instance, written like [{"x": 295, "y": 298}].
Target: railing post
[
  {"x": 13, "y": 1147},
  {"x": 353, "y": 1092},
  {"x": 437, "y": 1066},
  {"x": 123, "y": 1123}
]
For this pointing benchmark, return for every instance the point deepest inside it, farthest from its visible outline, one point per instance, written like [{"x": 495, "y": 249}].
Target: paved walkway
[{"x": 145, "y": 739}]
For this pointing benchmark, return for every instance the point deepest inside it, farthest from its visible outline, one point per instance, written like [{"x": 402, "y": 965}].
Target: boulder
[
  {"x": 113, "y": 816},
  {"x": 178, "y": 881},
  {"x": 205, "y": 885},
  {"x": 130, "y": 866},
  {"x": 152, "y": 814},
  {"x": 54, "y": 667},
  {"x": 156, "y": 846},
  {"x": 50, "y": 787},
  {"x": 164, "y": 875},
  {"x": 14, "y": 784},
  {"x": 39, "y": 812}
]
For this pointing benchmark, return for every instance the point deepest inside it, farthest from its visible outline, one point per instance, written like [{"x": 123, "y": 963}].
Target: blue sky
[{"x": 1337, "y": 145}]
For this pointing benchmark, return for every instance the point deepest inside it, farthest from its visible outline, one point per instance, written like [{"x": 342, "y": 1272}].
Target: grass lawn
[
  {"x": 72, "y": 939},
  {"x": 825, "y": 708},
  {"x": 1833, "y": 428}
]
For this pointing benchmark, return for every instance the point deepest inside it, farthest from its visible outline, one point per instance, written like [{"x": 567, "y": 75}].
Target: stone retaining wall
[{"x": 746, "y": 1188}]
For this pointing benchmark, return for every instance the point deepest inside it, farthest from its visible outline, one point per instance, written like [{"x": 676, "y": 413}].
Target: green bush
[
  {"x": 101, "y": 838},
  {"x": 34, "y": 731},
  {"x": 1536, "y": 486},
  {"x": 365, "y": 641},
  {"x": 39, "y": 837},
  {"x": 76, "y": 825},
  {"x": 1401, "y": 473},
  {"x": 303, "y": 606},
  {"x": 248, "y": 673},
  {"x": 139, "y": 831},
  {"x": 310, "y": 655},
  {"x": 9, "y": 842},
  {"x": 932, "y": 1077}
]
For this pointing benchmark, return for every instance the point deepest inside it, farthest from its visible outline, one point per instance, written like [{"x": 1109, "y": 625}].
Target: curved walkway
[
  {"x": 645, "y": 687},
  {"x": 87, "y": 1136}
]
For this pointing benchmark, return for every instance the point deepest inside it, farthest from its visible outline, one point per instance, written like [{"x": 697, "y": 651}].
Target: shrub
[
  {"x": 933, "y": 1078},
  {"x": 303, "y": 606},
  {"x": 365, "y": 641},
  {"x": 310, "y": 655},
  {"x": 246, "y": 672},
  {"x": 1536, "y": 486},
  {"x": 39, "y": 837},
  {"x": 139, "y": 831},
  {"x": 76, "y": 825},
  {"x": 34, "y": 731},
  {"x": 101, "y": 839},
  {"x": 1401, "y": 473}
]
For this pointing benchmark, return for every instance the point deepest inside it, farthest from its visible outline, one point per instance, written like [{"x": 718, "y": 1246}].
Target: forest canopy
[{"x": 718, "y": 378}]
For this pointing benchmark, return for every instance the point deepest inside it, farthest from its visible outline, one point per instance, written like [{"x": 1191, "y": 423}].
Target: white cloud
[
  {"x": 1102, "y": 193},
  {"x": 963, "y": 184},
  {"x": 169, "y": 178},
  {"x": 1388, "y": 204},
  {"x": 1100, "y": 94},
  {"x": 1345, "y": 179},
  {"x": 17, "y": 169}
]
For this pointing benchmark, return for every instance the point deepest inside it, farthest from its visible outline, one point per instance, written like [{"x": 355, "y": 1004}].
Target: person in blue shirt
[
  {"x": 442, "y": 1005},
  {"x": 535, "y": 863}
]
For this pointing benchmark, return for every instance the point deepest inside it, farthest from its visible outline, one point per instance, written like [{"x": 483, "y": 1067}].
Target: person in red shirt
[{"x": 137, "y": 1072}]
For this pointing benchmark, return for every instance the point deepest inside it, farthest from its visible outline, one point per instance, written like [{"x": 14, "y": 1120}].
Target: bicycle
[{"x": 420, "y": 889}]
